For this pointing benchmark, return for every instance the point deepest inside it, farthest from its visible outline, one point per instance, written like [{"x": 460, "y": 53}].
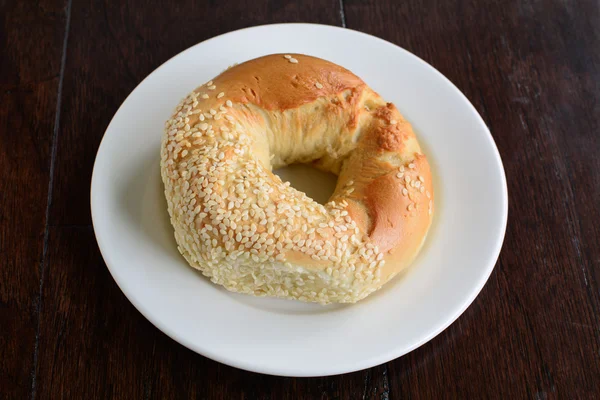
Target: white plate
[{"x": 283, "y": 337}]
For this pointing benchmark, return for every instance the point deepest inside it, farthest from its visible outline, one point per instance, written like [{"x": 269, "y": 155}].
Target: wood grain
[
  {"x": 120, "y": 43},
  {"x": 93, "y": 343},
  {"x": 532, "y": 70},
  {"x": 31, "y": 39}
]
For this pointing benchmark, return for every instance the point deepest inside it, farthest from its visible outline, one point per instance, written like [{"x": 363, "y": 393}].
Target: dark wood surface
[{"x": 532, "y": 70}]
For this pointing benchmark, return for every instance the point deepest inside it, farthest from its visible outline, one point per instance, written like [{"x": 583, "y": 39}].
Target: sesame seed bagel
[{"x": 247, "y": 230}]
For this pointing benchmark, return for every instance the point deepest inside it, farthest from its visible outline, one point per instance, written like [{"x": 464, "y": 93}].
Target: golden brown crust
[
  {"x": 243, "y": 227},
  {"x": 273, "y": 83}
]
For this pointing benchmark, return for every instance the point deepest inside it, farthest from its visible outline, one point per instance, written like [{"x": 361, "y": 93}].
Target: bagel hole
[{"x": 318, "y": 185}]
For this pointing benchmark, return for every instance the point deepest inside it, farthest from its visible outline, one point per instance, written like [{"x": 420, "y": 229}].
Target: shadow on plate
[
  {"x": 316, "y": 184},
  {"x": 143, "y": 201},
  {"x": 142, "y": 198},
  {"x": 285, "y": 306}
]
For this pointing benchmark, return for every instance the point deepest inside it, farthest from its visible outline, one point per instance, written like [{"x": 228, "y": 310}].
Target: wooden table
[{"x": 532, "y": 70}]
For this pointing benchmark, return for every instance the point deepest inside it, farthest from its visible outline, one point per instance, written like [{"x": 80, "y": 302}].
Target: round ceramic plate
[{"x": 284, "y": 337}]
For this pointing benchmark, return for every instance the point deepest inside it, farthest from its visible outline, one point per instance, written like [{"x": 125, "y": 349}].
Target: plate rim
[{"x": 336, "y": 369}]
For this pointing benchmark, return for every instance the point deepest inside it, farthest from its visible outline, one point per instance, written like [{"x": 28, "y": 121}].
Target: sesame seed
[
  {"x": 209, "y": 83},
  {"x": 421, "y": 179},
  {"x": 212, "y": 87},
  {"x": 229, "y": 103},
  {"x": 232, "y": 193},
  {"x": 287, "y": 56},
  {"x": 205, "y": 96},
  {"x": 411, "y": 166},
  {"x": 293, "y": 61},
  {"x": 220, "y": 95},
  {"x": 318, "y": 85}
]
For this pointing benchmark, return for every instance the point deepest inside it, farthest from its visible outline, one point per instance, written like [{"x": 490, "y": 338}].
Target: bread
[{"x": 245, "y": 229}]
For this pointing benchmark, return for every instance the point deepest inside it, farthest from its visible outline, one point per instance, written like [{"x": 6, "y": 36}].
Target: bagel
[{"x": 245, "y": 229}]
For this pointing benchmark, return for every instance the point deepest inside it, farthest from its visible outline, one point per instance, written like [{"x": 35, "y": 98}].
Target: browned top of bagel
[
  {"x": 297, "y": 108},
  {"x": 274, "y": 83}
]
